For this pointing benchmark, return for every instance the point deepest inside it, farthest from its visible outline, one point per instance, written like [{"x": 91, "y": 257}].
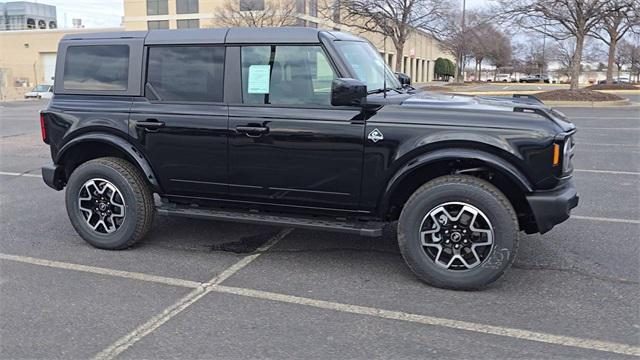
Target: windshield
[
  {"x": 367, "y": 65},
  {"x": 41, "y": 88}
]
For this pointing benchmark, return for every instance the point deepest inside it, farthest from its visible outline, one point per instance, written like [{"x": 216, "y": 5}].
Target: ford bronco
[{"x": 299, "y": 127}]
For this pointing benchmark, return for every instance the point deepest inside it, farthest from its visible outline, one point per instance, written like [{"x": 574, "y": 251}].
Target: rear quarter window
[{"x": 96, "y": 68}]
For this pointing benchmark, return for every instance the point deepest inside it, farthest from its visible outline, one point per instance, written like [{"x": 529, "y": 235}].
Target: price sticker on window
[{"x": 259, "y": 77}]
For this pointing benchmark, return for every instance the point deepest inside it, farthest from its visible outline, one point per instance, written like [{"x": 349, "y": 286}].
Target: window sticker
[{"x": 259, "y": 77}]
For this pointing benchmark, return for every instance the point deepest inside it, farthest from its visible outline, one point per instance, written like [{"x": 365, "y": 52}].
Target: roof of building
[{"x": 246, "y": 35}]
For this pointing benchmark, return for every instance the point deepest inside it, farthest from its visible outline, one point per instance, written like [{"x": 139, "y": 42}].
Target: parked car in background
[
  {"x": 503, "y": 77},
  {"x": 623, "y": 80},
  {"x": 535, "y": 78},
  {"x": 40, "y": 92}
]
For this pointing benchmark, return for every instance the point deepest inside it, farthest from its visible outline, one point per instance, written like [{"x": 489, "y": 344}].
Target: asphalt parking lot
[{"x": 198, "y": 289}]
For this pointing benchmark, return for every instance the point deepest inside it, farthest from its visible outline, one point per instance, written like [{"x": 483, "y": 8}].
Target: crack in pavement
[{"x": 524, "y": 266}]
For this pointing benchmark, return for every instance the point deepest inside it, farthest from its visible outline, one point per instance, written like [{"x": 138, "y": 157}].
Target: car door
[
  {"x": 287, "y": 144},
  {"x": 181, "y": 123}
]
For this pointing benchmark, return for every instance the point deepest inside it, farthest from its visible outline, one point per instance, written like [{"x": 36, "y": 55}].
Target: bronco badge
[{"x": 375, "y": 135}]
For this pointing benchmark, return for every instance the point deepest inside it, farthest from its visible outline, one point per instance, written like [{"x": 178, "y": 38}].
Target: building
[
  {"x": 23, "y": 15},
  {"x": 421, "y": 50},
  {"x": 28, "y": 58}
]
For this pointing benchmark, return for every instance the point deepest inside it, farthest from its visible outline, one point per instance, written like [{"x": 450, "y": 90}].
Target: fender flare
[
  {"x": 494, "y": 161},
  {"x": 118, "y": 142}
]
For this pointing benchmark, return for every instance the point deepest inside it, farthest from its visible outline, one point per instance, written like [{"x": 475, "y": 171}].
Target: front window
[
  {"x": 286, "y": 75},
  {"x": 367, "y": 65}
]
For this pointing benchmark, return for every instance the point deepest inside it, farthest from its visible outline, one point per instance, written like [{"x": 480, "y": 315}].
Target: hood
[{"x": 517, "y": 103}]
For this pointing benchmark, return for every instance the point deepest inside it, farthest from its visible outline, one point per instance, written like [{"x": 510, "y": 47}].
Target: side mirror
[
  {"x": 348, "y": 92},
  {"x": 404, "y": 79}
]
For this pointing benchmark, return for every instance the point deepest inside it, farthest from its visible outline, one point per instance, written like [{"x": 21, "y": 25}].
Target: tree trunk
[
  {"x": 612, "y": 58},
  {"x": 399, "y": 57},
  {"x": 576, "y": 60}
]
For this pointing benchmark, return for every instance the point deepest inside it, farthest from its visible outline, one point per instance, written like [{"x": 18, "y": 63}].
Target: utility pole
[{"x": 463, "y": 41}]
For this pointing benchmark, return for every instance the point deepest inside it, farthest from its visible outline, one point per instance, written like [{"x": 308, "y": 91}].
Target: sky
[
  {"x": 94, "y": 13},
  {"x": 108, "y": 13}
]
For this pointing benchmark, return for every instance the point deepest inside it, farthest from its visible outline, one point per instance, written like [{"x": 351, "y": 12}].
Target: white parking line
[
  {"x": 102, "y": 271},
  {"x": 607, "y": 172},
  {"x": 580, "y": 128},
  {"x": 605, "y": 219},
  {"x": 608, "y": 145},
  {"x": 19, "y": 174},
  {"x": 201, "y": 289},
  {"x": 437, "y": 321},
  {"x": 155, "y": 322}
]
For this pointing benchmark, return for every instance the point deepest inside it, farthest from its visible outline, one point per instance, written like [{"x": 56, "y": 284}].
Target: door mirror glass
[{"x": 348, "y": 92}]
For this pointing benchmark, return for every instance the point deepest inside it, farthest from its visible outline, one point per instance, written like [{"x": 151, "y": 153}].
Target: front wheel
[
  {"x": 458, "y": 232},
  {"x": 109, "y": 203}
]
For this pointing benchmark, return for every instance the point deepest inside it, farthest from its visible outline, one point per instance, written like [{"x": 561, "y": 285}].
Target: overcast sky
[
  {"x": 94, "y": 13},
  {"x": 108, "y": 13}
]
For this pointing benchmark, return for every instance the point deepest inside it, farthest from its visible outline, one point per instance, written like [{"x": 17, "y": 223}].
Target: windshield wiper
[{"x": 378, "y": 91}]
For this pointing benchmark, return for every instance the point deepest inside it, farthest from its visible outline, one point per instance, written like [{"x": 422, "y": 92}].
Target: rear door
[
  {"x": 181, "y": 122},
  {"x": 287, "y": 144}
]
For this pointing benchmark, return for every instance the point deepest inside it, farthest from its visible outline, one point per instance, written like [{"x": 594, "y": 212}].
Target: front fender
[
  {"x": 113, "y": 140},
  {"x": 492, "y": 161}
]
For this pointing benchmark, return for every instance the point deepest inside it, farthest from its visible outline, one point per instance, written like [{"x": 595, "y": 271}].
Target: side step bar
[{"x": 370, "y": 229}]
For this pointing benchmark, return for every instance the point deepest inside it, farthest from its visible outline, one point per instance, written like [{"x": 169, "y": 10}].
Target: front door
[
  {"x": 287, "y": 144},
  {"x": 181, "y": 124}
]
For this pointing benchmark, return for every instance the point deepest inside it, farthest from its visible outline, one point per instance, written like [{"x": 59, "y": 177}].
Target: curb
[{"x": 615, "y": 103}]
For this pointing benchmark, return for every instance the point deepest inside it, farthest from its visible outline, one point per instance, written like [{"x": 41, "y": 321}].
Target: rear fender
[{"x": 133, "y": 154}]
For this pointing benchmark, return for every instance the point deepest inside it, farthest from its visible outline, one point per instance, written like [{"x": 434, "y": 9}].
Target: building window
[
  {"x": 187, "y": 6},
  {"x": 31, "y": 23},
  {"x": 96, "y": 67},
  {"x": 157, "y": 7},
  {"x": 188, "y": 24},
  {"x": 251, "y": 5},
  {"x": 52, "y": 25},
  {"x": 158, "y": 24},
  {"x": 313, "y": 8},
  {"x": 42, "y": 24},
  {"x": 186, "y": 73}
]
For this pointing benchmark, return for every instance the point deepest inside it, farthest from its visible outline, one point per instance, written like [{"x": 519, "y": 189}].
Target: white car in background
[
  {"x": 503, "y": 77},
  {"x": 40, "y": 92}
]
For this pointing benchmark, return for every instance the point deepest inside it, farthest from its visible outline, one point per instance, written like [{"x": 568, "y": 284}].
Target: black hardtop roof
[{"x": 246, "y": 35}]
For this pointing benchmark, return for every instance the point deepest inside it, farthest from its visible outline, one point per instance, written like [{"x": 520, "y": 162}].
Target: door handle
[
  {"x": 252, "y": 131},
  {"x": 150, "y": 124}
]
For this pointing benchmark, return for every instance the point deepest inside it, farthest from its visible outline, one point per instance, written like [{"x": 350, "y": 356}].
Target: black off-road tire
[
  {"x": 137, "y": 196},
  {"x": 473, "y": 191}
]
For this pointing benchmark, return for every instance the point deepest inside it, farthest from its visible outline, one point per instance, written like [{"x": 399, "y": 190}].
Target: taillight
[{"x": 43, "y": 129}]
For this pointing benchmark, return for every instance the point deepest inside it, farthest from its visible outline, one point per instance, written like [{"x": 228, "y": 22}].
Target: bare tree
[
  {"x": 629, "y": 52},
  {"x": 560, "y": 20},
  {"x": 258, "y": 13},
  {"x": 464, "y": 42},
  {"x": 395, "y": 19},
  {"x": 622, "y": 16},
  {"x": 479, "y": 44},
  {"x": 499, "y": 49}
]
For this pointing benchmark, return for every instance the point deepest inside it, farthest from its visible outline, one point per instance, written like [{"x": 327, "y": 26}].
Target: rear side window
[
  {"x": 186, "y": 73},
  {"x": 96, "y": 67}
]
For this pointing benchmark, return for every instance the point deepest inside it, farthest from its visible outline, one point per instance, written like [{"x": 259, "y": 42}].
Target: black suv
[{"x": 304, "y": 128}]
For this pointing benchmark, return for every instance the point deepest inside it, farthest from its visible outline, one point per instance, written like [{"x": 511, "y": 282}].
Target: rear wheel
[
  {"x": 458, "y": 232},
  {"x": 109, "y": 203}
]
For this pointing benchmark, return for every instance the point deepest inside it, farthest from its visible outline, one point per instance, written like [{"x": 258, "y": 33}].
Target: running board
[{"x": 362, "y": 228}]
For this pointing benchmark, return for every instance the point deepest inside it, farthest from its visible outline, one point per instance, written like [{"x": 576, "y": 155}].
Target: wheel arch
[
  {"x": 490, "y": 167},
  {"x": 91, "y": 146}
]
